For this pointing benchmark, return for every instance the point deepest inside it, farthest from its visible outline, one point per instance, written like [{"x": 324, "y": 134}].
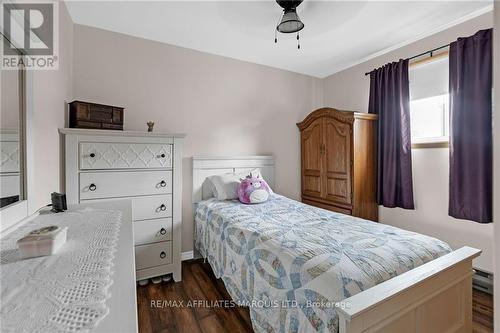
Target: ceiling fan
[{"x": 290, "y": 21}]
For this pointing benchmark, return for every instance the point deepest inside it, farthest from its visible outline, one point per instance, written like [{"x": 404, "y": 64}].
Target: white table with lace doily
[{"x": 87, "y": 286}]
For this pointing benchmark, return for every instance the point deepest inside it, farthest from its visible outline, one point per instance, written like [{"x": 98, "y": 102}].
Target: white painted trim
[
  {"x": 443, "y": 27},
  {"x": 188, "y": 255},
  {"x": 29, "y": 139},
  {"x": 439, "y": 139}
]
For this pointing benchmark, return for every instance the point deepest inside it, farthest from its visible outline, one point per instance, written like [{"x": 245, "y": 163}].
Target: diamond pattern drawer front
[
  {"x": 101, "y": 185},
  {"x": 152, "y": 207},
  {"x": 152, "y": 255},
  {"x": 152, "y": 231},
  {"x": 9, "y": 161},
  {"x": 97, "y": 155}
]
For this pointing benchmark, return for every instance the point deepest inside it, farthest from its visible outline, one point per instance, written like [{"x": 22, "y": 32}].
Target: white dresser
[{"x": 145, "y": 167}]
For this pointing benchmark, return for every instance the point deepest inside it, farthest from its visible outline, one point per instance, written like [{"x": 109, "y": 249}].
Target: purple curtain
[
  {"x": 470, "y": 128},
  {"x": 390, "y": 99}
]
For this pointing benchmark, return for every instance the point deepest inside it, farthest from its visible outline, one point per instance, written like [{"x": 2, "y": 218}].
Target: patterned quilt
[{"x": 294, "y": 264}]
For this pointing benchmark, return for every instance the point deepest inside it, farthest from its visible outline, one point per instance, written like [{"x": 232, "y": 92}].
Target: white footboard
[{"x": 434, "y": 297}]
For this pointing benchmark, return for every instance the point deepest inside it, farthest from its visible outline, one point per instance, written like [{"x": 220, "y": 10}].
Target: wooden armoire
[{"x": 339, "y": 162}]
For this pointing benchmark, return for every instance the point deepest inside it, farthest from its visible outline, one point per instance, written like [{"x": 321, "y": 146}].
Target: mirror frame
[{"x": 14, "y": 213}]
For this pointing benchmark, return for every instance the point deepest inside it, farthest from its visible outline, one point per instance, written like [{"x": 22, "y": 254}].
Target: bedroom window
[{"x": 429, "y": 102}]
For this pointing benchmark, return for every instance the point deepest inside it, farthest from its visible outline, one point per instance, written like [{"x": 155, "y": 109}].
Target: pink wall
[
  {"x": 52, "y": 90},
  {"x": 225, "y": 106},
  {"x": 349, "y": 90},
  {"x": 9, "y": 100}
]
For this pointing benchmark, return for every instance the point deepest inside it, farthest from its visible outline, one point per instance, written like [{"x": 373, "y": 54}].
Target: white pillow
[
  {"x": 207, "y": 189},
  {"x": 225, "y": 186}
]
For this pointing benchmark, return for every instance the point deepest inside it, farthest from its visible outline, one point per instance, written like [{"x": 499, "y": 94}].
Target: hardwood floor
[
  {"x": 482, "y": 312},
  {"x": 198, "y": 283},
  {"x": 164, "y": 307}
]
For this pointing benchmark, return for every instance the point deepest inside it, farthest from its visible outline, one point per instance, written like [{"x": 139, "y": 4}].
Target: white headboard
[{"x": 205, "y": 166}]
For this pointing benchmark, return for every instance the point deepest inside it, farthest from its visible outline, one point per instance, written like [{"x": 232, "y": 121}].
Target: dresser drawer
[
  {"x": 152, "y": 231},
  {"x": 152, "y": 207},
  {"x": 151, "y": 255},
  {"x": 114, "y": 155},
  {"x": 99, "y": 185},
  {"x": 147, "y": 207}
]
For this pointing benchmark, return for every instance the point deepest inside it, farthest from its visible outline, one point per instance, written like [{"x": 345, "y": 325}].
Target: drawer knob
[
  {"x": 163, "y": 207},
  {"x": 92, "y": 155},
  {"x": 163, "y": 183},
  {"x": 92, "y": 187},
  {"x": 160, "y": 156},
  {"x": 163, "y": 254},
  {"x": 163, "y": 231}
]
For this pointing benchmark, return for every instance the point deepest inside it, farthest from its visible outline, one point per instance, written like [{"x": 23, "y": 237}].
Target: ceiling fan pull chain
[
  {"x": 276, "y": 30},
  {"x": 298, "y": 41}
]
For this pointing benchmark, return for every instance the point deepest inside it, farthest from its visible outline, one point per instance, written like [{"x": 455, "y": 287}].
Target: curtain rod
[{"x": 423, "y": 53}]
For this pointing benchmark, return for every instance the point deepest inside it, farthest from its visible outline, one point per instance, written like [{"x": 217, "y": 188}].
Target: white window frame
[{"x": 430, "y": 142}]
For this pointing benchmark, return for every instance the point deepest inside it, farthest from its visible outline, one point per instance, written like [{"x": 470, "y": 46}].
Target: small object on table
[
  {"x": 58, "y": 202},
  {"x": 144, "y": 282},
  {"x": 156, "y": 279},
  {"x": 150, "y": 124},
  {"x": 42, "y": 242}
]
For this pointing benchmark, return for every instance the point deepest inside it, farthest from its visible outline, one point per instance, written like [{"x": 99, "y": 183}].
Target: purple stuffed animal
[{"x": 253, "y": 190}]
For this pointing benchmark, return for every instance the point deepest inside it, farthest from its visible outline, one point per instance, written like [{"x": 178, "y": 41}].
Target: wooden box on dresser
[
  {"x": 141, "y": 166},
  {"x": 339, "y": 161}
]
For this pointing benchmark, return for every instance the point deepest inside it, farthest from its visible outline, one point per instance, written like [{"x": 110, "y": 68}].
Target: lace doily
[{"x": 64, "y": 292}]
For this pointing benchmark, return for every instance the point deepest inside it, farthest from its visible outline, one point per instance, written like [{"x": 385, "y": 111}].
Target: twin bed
[{"x": 304, "y": 269}]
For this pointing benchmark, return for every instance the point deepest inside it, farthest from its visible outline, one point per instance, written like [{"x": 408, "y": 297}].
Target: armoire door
[
  {"x": 312, "y": 159},
  {"x": 338, "y": 186}
]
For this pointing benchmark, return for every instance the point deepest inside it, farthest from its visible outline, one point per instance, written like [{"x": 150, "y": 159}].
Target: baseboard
[{"x": 188, "y": 255}]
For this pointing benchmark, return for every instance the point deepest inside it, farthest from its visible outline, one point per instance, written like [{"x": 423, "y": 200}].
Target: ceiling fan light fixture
[{"x": 290, "y": 22}]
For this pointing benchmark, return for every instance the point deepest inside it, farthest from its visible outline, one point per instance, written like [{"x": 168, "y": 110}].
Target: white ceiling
[{"x": 337, "y": 34}]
